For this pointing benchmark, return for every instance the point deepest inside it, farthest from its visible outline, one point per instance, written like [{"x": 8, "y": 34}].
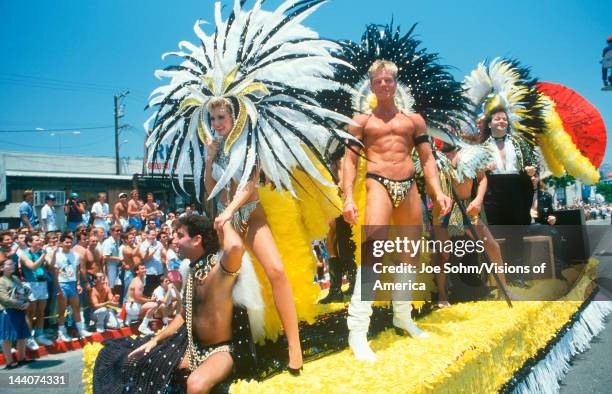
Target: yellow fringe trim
[
  {"x": 473, "y": 347},
  {"x": 359, "y": 196},
  {"x": 561, "y": 153},
  {"x": 90, "y": 353}
]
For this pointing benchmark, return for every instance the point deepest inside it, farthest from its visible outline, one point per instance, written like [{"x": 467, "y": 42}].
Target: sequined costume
[
  {"x": 397, "y": 190},
  {"x": 241, "y": 217}
]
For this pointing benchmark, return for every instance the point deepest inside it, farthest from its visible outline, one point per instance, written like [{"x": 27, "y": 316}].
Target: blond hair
[
  {"x": 220, "y": 102},
  {"x": 380, "y": 64}
]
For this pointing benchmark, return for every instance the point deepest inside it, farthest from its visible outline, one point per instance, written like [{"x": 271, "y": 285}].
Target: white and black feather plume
[
  {"x": 271, "y": 68},
  {"x": 424, "y": 85}
]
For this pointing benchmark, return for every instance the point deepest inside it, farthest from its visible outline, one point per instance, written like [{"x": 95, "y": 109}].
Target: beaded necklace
[{"x": 200, "y": 270}]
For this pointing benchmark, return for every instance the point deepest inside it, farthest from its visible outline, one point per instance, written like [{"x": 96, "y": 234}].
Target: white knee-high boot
[
  {"x": 358, "y": 322},
  {"x": 402, "y": 307}
]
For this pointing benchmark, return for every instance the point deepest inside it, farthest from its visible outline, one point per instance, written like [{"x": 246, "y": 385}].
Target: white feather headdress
[{"x": 271, "y": 68}]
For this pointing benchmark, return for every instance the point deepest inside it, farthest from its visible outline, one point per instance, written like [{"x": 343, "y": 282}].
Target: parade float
[{"x": 476, "y": 346}]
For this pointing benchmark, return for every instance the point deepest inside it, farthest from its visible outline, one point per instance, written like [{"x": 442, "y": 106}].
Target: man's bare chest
[{"x": 377, "y": 129}]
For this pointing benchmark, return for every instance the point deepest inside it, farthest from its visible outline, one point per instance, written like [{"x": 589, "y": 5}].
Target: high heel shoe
[{"x": 295, "y": 371}]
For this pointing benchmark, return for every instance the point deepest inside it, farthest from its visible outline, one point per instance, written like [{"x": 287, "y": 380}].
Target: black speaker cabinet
[{"x": 571, "y": 225}]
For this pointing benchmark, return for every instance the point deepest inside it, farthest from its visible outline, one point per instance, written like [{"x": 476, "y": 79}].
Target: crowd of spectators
[
  {"x": 592, "y": 211},
  {"x": 109, "y": 267}
]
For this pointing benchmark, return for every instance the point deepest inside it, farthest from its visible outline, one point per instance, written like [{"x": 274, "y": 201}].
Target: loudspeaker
[
  {"x": 570, "y": 217},
  {"x": 538, "y": 250},
  {"x": 571, "y": 225}
]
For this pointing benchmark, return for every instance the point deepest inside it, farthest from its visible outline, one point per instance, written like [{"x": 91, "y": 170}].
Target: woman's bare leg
[
  {"x": 259, "y": 238},
  {"x": 491, "y": 247}
]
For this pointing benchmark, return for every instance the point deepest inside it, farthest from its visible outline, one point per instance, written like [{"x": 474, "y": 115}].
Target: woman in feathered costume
[{"x": 254, "y": 81}]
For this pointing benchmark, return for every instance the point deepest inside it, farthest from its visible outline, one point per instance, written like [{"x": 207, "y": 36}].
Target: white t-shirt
[
  {"x": 68, "y": 266},
  {"x": 154, "y": 266},
  {"x": 172, "y": 260},
  {"x": 20, "y": 251},
  {"x": 110, "y": 247},
  {"x": 159, "y": 294},
  {"x": 184, "y": 270},
  {"x": 101, "y": 209},
  {"x": 48, "y": 214}
]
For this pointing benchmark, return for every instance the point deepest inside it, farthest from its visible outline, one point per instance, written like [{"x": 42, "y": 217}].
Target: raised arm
[
  {"x": 209, "y": 181},
  {"x": 232, "y": 247},
  {"x": 32, "y": 265}
]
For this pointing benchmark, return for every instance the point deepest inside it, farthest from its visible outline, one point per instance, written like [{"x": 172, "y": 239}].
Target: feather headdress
[
  {"x": 424, "y": 85},
  {"x": 270, "y": 68},
  {"x": 506, "y": 85}
]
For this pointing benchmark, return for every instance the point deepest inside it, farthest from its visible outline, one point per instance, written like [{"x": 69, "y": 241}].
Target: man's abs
[{"x": 393, "y": 166}]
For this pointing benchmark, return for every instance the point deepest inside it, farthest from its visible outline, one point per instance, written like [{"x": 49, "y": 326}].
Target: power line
[
  {"x": 53, "y": 130},
  {"x": 29, "y": 78},
  {"x": 59, "y": 88},
  {"x": 97, "y": 142},
  {"x": 35, "y": 81}
]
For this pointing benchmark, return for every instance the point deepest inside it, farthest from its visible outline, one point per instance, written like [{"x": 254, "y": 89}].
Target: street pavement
[
  {"x": 69, "y": 362},
  {"x": 591, "y": 371}
]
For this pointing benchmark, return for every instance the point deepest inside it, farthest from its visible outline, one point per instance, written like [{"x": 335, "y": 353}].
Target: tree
[
  {"x": 560, "y": 182},
  {"x": 605, "y": 189}
]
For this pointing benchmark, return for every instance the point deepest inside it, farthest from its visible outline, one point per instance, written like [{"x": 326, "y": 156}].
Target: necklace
[
  {"x": 202, "y": 267},
  {"x": 199, "y": 270}
]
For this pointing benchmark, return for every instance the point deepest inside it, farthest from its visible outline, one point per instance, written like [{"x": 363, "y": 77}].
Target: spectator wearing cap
[
  {"x": 26, "y": 211},
  {"x": 120, "y": 211},
  {"x": 74, "y": 210},
  {"x": 606, "y": 63},
  {"x": 47, "y": 214}
]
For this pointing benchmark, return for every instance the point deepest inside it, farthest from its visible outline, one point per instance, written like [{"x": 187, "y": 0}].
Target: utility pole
[{"x": 118, "y": 115}]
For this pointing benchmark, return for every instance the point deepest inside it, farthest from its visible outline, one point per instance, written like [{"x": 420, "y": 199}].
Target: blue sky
[{"x": 64, "y": 60}]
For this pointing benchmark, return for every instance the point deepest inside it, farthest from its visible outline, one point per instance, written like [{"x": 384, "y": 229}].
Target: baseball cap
[
  {"x": 122, "y": 195},
  {"x": 49, "y": 197},
  {"x": 74, "y": 195}
]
